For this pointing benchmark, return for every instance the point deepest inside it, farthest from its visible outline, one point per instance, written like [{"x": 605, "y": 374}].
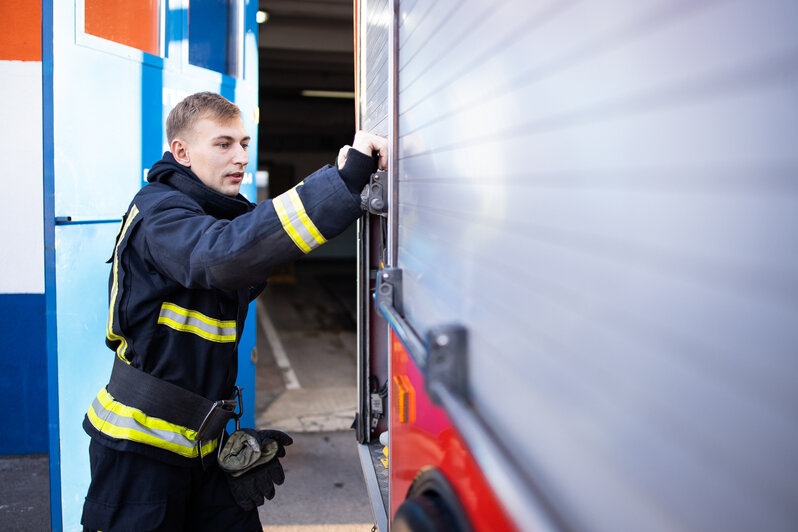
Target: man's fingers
[
  {"x": 342, "y": 156},
  {"x": 369, "y": 143},
  {"x": 380, "y": 145},
  {"x": 383, "y": 162}
]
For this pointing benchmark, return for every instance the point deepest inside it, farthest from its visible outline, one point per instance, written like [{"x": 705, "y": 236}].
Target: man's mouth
[{"x": 236, "y": 176}]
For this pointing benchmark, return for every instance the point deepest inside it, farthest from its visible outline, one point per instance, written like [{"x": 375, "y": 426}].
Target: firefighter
[{"x": 190, "y": 256}]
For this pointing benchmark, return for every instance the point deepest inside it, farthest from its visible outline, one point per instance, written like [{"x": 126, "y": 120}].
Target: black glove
[{"x": 249, "y": 457}]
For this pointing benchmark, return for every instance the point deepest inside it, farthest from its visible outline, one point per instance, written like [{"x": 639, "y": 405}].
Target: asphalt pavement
[{"x": 24, "y": 493}]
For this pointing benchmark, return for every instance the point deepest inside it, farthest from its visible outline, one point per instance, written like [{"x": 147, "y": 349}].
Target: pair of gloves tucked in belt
[{"x": 249, "y": 457}]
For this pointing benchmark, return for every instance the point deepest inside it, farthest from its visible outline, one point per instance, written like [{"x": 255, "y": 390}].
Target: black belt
[{"x": 158, "y": 398}]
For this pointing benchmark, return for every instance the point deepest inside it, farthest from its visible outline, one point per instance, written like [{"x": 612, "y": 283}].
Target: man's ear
[{"x": 179, "y": 149}]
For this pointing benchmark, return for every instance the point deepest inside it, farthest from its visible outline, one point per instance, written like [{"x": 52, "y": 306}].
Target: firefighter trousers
[{"x": 132, "y": 492}]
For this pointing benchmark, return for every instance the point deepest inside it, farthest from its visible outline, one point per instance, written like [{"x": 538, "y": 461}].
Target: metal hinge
[
  {"x": 447, "y": 361},
  {"x": 389, "y": 289},
  {"x": 374, "y": 197}
]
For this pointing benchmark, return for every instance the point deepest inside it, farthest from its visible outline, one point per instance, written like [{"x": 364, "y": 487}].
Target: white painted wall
[{"x": 21, "y": 209}]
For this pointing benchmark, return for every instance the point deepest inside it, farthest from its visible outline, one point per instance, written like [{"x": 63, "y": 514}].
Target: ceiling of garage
[{"x": 305, "y": 45}]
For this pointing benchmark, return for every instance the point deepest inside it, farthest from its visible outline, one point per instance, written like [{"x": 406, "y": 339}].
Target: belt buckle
[
  {"x": 240, "y": 400},
  {"x": 226, "y": 404}
]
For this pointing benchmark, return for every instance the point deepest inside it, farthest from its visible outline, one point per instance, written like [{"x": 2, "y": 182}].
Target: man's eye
[
  {"x": 245, "y": 146},
  {"x": 224, "y": 144}
]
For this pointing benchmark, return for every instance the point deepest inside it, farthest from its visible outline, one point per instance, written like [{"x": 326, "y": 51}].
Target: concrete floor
[
  {"x": 324, "y": 489},
  {"x": 308, "y": 323},
  {"x": 310, "y": 320}
]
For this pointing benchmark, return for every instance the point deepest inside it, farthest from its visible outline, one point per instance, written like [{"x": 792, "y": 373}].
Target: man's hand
[{"x": 368, "y": 144}]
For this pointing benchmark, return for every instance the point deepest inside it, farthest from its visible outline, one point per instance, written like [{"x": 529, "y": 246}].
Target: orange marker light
[{"x": 405, "y": 396}]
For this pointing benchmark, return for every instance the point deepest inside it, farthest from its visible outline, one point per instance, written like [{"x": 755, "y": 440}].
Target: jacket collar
[{"x": 169, "y": 172}]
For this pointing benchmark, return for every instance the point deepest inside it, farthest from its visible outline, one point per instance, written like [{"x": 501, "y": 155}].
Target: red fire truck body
[{"x": 425, "y": 438}]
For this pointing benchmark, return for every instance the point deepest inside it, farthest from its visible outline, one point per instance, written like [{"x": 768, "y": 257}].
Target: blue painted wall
[
  {"x": 23, "y": 374},
  {"x": 207, "y": 46}
]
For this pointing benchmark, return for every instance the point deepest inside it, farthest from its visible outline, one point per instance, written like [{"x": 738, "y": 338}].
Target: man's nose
[{"x": 241, "y": 156}]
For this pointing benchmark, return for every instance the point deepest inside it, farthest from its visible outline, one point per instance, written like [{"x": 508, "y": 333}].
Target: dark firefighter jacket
[{"x": 186, "y": 264}]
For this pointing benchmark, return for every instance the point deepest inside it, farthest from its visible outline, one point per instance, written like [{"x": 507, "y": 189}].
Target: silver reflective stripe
[
  {"x": 124, "y": 425},
  {"x": 186, "y": 320},
  {"x": 296, "y": 222}
]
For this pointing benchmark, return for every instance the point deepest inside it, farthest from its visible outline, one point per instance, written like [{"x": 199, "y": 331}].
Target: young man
[{"x": 190, "y": 256}]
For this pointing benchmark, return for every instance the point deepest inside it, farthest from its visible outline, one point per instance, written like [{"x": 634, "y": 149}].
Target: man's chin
[{"x": 231, "y": 191}]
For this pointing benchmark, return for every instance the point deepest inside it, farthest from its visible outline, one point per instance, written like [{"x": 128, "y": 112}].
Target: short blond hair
[{"x": 188, "y": 112}]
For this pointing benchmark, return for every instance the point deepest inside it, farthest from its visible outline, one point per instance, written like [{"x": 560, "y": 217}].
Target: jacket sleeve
[{"x": 200, "y": 251}]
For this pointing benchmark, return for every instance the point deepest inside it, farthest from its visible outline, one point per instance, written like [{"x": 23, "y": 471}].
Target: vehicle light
[{"x": 405, "y": 396}]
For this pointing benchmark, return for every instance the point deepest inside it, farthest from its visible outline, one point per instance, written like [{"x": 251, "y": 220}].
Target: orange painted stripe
[
  {"x": 130, "y": 22},
  {"x": 21, "y": 31}
]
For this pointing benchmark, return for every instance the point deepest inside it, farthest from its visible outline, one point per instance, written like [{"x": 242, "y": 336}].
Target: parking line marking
[{"x": 280, "y": 356}]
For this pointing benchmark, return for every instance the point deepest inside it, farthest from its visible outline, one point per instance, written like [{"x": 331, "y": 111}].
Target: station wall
[{"x": 23, "y": 368}]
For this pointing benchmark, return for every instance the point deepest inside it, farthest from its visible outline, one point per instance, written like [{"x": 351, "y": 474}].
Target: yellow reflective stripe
[
  {"x": 110, "y": 404},
  {"x": 186, "y": 320},
  {"x": 303, "y": 216},
  {"x": 198, "y": 315},
  {"x": 296, "y": 222},
  {"x": 141, "y": 428},
  {"x": 187, "y": 327},
  {"x": 286, "y": 222},
  {"x": 120, "y": 351},
  {"x": 123, "y": 433}
]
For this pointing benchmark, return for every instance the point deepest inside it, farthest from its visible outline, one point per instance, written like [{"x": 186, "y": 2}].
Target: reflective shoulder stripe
[
  {"x": 296, "y": 222},
  {"x": 125, "y": 423},
  {"x": 110, "y": 333},
  {"x": 191, "y": 321}
]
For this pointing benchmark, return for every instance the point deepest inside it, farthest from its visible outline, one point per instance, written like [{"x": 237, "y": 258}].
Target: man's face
[{"x": 217, "y": 153}]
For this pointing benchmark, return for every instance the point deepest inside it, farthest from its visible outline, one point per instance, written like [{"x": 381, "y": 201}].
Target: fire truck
[{"x": 577, "y": 284}]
